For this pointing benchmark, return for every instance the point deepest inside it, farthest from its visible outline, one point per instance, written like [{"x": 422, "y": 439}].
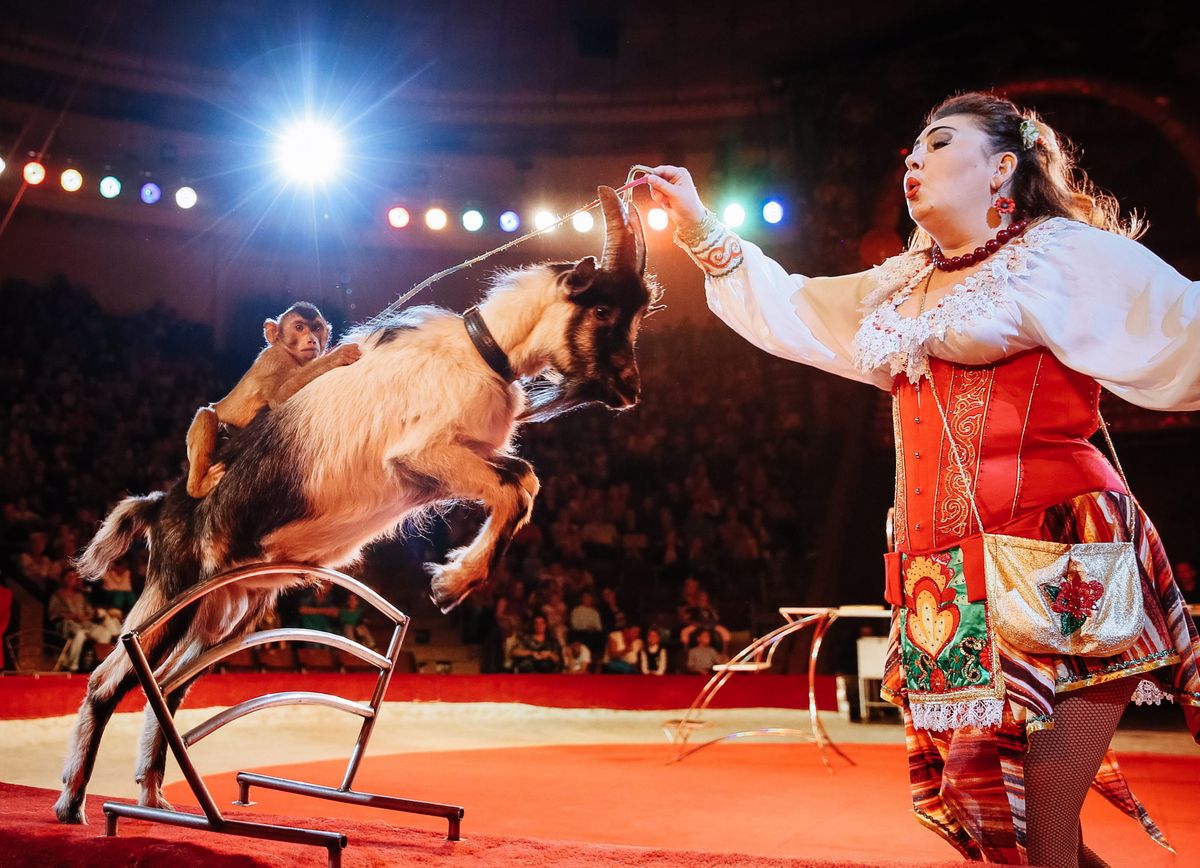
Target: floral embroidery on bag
[
  {"x": 932, "y": 616},
  {"x": 1075, "y": 599}
]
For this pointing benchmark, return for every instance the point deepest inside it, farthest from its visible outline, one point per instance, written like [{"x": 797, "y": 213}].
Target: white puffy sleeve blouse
[{"x": 1105, "y": 305}]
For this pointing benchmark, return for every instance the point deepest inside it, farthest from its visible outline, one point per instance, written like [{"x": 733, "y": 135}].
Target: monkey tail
[{"x": 130, "y": 517}]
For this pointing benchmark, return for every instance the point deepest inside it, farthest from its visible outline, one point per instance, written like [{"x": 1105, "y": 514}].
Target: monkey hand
[{"x": 346, "y": 354}]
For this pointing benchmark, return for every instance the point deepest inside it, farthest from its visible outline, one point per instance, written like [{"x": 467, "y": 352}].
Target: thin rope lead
[{"x": 637, "y": 175}]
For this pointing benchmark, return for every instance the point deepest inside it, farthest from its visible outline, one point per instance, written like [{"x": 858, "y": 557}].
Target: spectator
[
  {"x": 703, "y": 656},
  {"x": 537, "y": 650},
  {"x": 76, "y": 620},
  {"x": 577, "y": 658},
  {"x": 317, "y": 611},
  {"x": 117, "y": 583},
  {"x": 623, "y": 653},
  {"x": 350, "y": 617},
  {"x": 653, "y": 656},
  {"x": 704, "y": 616},
  {"x": 585, "y": 624}
]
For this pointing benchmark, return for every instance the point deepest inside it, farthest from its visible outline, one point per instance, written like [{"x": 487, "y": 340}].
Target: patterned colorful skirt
[{"x": 970, "y": 700}]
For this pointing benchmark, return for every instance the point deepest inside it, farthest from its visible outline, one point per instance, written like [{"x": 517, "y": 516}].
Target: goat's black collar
[{"x": 477, "y": 330}]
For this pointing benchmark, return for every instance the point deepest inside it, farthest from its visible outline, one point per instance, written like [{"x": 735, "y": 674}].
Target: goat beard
[{"x": 551, "y": 394}]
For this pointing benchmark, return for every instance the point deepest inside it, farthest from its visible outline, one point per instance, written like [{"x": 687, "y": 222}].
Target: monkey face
[{"x": 301, "y": 330}]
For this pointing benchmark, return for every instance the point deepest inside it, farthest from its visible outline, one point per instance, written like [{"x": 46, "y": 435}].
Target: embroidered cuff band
[{"x": 711, "y": 246}]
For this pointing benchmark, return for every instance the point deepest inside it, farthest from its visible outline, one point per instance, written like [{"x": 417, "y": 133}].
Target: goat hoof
[
  {"x": 447, "y": 604},
  {"x": 446, "y": 593},
  {"x": 70, "y": 811}
]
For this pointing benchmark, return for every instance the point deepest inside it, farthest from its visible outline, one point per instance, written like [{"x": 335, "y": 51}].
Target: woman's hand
[{"x": 673, "y": 189}]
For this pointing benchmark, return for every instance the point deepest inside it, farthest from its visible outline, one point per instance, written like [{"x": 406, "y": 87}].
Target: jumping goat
[{"x": 425, "y": 416}]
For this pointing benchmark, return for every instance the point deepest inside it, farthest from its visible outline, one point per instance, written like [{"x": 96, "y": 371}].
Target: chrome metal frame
[
  {"x": 756, "y": 657},
  {"x": 212, "y": 819}
]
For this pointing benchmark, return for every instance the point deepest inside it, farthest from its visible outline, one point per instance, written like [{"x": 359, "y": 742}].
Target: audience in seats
[
  {"x": 702, "y": 656},
  {"x": 577, "y": 658},
  {"x": 653, "y": 656},
  {"x": 78, "y": 622},
  {"x": 703, "y": 616},
  {"x": 317, "y": 610},
  {"x": 622, "y": 656},
  {"x": 536, "y": 650}
]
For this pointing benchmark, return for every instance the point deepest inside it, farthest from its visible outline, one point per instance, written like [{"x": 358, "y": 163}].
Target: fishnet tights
[{"x": 1059, "y": 767}]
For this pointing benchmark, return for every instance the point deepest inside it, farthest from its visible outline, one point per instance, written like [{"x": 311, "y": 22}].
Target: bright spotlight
[
  {"x": 472, "y": 221},
  {"x": 110, "y": 187},
  {"x": 34, "y": 173},
  {"x": 436, "y": 219},
  {"x": 310, "y": 152},
  {"x": 2, "y": 165},
  {"x": 657, "y": 218},
  {"x": 185, "y": 197},
  {"x": 151, "y": 192},
  {"x": 510, "y": 221},
  {"x": 734, "y": 215},
  {"x": 773, "y": 211},
  {"x": 583, "y": 221},
  {"x": 543, "y": 220},
  {"x": 71, "y": 180},
  {"x": 398, "y": 217}
]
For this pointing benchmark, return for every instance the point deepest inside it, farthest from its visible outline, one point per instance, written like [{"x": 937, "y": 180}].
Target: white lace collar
[{"x": 885, "y": 339}]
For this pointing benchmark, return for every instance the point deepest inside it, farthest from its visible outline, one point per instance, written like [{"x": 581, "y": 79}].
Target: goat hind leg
[
  {"x": 152, "y": 746},
  {"x": 507, "y": 487},
  {"x": 152, "y": 753},
  {"x": 106, "y": 686}
]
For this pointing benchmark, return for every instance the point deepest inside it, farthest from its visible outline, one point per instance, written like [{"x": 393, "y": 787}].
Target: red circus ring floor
[{"x": 531, "y": 800}]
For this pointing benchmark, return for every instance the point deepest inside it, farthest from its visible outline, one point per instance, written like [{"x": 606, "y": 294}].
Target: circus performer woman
[{"x": 1020, "y": 296}]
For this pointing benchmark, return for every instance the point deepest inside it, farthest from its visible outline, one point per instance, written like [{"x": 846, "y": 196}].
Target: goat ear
[{"x": 581, "y": 276}]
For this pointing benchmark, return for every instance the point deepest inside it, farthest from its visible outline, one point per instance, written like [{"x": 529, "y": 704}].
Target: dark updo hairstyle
[{"x": 1047, "y": 182}]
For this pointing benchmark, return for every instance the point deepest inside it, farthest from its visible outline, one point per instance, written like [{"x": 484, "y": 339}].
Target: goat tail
[{"x": 130, "y": 517}]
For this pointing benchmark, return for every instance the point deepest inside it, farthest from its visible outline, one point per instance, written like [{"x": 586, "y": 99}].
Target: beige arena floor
[{"x": 33, "y": 749}]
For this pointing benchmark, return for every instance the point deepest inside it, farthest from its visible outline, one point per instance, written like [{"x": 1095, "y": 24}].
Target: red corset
[{"x": 1021, "y": 427}]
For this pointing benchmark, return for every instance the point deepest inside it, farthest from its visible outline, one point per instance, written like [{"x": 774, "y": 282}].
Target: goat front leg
[{"x": 507, "y": 487}]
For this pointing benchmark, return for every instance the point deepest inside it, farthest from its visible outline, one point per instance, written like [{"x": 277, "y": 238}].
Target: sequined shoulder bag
[{"x": 1079, "y": 599}]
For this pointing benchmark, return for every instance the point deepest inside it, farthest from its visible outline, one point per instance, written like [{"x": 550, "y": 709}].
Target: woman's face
[{"x": 950, "y": 173}]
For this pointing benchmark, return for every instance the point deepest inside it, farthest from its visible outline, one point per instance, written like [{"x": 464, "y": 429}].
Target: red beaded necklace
[{"x": 955, "y": 263}]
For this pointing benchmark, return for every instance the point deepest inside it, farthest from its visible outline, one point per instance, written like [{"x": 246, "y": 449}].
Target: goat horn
[
  {"x": 639, "y": 239},
  {"x": 620, "y": 245}
]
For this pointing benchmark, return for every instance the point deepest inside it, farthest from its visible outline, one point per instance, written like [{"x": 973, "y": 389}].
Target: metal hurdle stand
[
  {"x": 756, "y": 657},
  {"x": 158, "y": 687}
]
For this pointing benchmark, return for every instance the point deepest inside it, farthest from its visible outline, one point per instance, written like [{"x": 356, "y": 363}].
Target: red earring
[{"x": 1005, "y": 205}]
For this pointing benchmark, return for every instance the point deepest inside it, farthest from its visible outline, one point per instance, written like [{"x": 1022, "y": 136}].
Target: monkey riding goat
[
  {"x": 427, "y": 414},
  {"x": 294, "y": 357}
]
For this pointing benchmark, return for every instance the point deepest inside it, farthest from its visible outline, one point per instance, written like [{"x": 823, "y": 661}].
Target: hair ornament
[{"x": 1030, "y": 134}]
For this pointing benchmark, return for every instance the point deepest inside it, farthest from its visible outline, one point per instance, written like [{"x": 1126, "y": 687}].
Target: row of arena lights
[
  {"x": 110, "y": 186},
  {"x": 733, "y": 215}
]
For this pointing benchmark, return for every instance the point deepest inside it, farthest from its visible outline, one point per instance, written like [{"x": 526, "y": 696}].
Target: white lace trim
[
  {"x": 940, "y": 716},
  {"x": 898, "y": 343},
  {"x": 1149, "y": 693}
]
